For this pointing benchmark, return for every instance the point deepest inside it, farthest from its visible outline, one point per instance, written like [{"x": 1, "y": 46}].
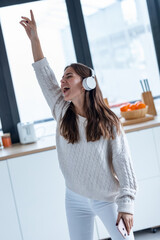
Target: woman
[{"x": 92, "y": 149}]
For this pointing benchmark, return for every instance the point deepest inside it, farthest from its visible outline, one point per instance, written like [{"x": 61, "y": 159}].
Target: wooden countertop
[
  {"x": 17, "y": 150},
  {"x": 49, "y": 143},
  {"x": 144, "y": 125}
]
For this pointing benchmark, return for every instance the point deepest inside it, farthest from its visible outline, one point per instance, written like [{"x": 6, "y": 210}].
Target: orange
[
  {"x": 124, "y": 108},
  {"x": 132, "y": 107},
  {"x": 141, "y": 105},
  {"x": 137, "y": 103}
]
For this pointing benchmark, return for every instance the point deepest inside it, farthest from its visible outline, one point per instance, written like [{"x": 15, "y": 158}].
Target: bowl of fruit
[{"x": 132, "y": 111}]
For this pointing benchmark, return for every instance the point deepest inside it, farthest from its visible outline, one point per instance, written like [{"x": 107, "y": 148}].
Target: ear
[{"x": 83, "y": 90}]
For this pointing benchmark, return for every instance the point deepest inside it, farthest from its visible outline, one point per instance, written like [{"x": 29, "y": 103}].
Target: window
[
  {"x": 122, "y": 47},
  {"x": 55, "y": 36}
]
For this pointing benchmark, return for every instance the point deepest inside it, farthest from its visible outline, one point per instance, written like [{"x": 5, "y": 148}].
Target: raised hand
[{"x": 30, "y": 26}]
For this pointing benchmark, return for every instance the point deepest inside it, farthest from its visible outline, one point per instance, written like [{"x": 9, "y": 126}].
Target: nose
[{"x": 62, "y": 80}]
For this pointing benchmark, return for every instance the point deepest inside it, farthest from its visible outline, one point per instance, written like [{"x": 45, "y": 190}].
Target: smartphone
[{"x": 121, "y": 227}]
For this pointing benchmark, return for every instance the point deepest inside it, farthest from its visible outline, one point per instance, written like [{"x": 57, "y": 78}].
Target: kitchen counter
[
  {"x": 48, "y": 143},
  {"x": 144, "y": 125},
  {"x": 17, "y": 150}
]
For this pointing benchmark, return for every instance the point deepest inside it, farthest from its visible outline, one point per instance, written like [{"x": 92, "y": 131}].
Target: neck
[
  {"x": 79, "y": 107},
  {"x": 80, "y": 111},
  {"x": 81, "y": 114}
]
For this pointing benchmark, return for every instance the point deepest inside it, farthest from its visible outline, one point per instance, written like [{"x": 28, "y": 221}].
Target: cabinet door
[
  {"x": 40, "y": 192},
  {"x": 39, "y": 189},
  {"x": 9, "y": 225},
  {"x": 144, "y": 146},
  {"x": 156, "y": 134},
  {"x": 146, "y": 164},
  {"x": 144, "y": 155}
]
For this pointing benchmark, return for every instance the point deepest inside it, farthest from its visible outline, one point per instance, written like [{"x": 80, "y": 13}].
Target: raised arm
[
  {"x": 45, "y": 75},
  {"x": 31, "y": 30}
]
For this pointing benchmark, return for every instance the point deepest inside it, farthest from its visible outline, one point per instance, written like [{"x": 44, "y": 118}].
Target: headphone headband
[{"x": 92, "y": 72}]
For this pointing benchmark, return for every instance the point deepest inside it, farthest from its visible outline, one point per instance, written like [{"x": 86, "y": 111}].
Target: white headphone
[{"x": 89, "y": 83}]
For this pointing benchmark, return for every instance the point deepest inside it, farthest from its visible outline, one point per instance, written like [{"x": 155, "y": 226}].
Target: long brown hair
[{"x": 100, "y": 119}]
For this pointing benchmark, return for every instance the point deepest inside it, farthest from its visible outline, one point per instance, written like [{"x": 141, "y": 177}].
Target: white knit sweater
[{"x": 84, "y": 165}]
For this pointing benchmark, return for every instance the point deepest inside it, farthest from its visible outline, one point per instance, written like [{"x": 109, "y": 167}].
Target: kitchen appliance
[{"x": 26, "y": 132}]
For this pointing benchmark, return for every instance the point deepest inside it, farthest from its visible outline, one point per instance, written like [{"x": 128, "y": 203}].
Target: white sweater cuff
[
  {"x": 126, "y": 205},
  {"x": 127, "y": 208},
  {"x": 40, "y": 63}
]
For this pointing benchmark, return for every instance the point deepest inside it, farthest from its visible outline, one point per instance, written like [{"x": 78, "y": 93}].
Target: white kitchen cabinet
[
  {"x": 145, "y": 151},
  {"x": 144, "y": 155},
  {"x": 146, "y": 162},
  {"x": 40, "y": 191},
  {"x": 156, "y": 134},
  {"x": 9, "y": 224}
]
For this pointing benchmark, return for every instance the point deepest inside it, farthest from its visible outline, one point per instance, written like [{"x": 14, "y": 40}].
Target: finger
[
  {"x": 27, "y": 19},
  {"x": 27, "y": 27},
  {"x": 131, "y": 223},
  {"x": 130, "y": 226},
  {"x": 23, "y": 24},
  {"x": 127, "y": 225},
  {"x": 32, "y": 16},
  {"x": 27, "y": 24}
]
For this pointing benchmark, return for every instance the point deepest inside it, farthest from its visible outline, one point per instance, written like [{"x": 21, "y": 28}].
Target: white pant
[{"x": 80, "y": 212}]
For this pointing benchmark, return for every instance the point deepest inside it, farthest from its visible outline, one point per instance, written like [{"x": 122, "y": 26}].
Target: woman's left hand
[{"x": 128, "y": 220}]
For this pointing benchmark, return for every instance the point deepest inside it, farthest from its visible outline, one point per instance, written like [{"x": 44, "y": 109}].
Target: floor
[{"x": 148, "y": 234}]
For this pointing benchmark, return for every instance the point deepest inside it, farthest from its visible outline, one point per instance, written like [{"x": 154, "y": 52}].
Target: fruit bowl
[{"x": 137, "y": 113}]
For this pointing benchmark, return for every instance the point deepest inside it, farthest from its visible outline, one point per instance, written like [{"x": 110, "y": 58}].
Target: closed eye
[{"x": 69, "y": 76}]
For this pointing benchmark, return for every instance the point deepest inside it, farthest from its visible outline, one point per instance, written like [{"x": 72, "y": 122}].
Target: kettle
[{"x": 26, "y": 132}]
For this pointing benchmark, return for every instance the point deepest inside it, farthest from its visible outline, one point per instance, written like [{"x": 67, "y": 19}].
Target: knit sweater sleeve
[
  {"x": 123, "y": 166},
  {"x": 50, "y": 88}
]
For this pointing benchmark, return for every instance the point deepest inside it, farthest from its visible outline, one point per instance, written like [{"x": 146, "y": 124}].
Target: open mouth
[{"x": 65, "y": 90}]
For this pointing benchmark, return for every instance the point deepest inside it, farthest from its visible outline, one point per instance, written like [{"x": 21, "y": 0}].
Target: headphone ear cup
[
  {"x": 85, "y": 84},
  {"x": 89, "y": 83}
]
